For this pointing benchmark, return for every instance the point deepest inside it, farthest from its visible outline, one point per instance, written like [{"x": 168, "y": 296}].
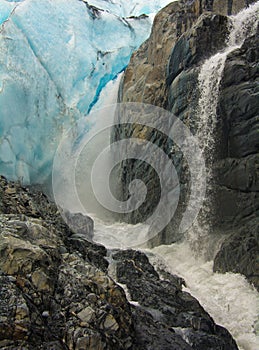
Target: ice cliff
[{"x": 55, "y": 59}]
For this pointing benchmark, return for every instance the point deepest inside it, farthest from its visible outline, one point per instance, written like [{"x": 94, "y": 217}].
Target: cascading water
[
  {"x": 240, "y": 25},
  {"x": 229, "y": 298},
  {"x": 211, "y": 72}
]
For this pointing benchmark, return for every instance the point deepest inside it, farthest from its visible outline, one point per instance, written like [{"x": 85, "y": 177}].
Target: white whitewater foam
[
  {"x": 118, "y": 235},
  {"x": 242, "y": 24},
  {"x": 228, "y": 298}
]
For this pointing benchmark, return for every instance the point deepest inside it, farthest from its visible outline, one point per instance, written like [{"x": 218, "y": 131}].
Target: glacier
[
  {"x": 128, "y": 8},
  {"x": 56, "y": 57}
]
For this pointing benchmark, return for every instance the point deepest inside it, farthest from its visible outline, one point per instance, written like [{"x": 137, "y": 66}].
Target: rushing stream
[{"x": 229, "y": 298}]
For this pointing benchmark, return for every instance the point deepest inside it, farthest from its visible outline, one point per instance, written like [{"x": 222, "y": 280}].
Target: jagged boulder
[
  {"x": 57, "y": 293},
  {"x": 54, "y": 293},
  {"x": 168, "y": 304}
]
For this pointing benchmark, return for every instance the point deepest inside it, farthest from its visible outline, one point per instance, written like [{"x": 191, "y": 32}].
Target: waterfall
[
  {"x": 242, "y": 24},
  {"x": 209, "y": 79},
  {"x": 229, "y": 298}
]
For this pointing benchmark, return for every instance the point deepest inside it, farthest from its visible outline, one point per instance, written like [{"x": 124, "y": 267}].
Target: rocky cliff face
[
  {"x": 57, "y": 292},
  {"x": 236, "y": 167},
  {"x": 145, "y": 77},
  {"x": 164, "y": 72}
]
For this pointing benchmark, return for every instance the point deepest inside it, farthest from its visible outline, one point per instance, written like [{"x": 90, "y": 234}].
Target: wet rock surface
[
  {"x": 164, "y": 72},
  {"x": 239, "y": 253},
  {"x": 145, "y": 77},
  {"x": 189, "y": 34},
  {"x": 164, "y": 300},
  {"x": 56, "y": 294},
  {"x": 236, "y": 168}
]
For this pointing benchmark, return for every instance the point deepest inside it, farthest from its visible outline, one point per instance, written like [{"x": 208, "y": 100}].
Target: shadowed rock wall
[{"x": 164, "y": 72}]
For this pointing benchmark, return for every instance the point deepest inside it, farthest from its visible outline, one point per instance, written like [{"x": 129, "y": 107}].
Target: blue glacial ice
[
  {"x": 56, "y": 56},
  {"x": 6, "y": 9},
  {"x": 128, "y": 8}
]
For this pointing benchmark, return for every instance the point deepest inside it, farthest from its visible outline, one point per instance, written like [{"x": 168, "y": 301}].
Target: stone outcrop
[
  {"x": 164, "y": 299},
  {"x": 145, "y": 77},
  {"x": 57, "y": 292},
  {"x": 237, "y": 194},
  {"x": 164, "y": 72},
  {"x": 199, "y": 37}
]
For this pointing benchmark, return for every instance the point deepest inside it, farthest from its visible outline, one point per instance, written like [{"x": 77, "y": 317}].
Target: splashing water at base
[
  {"x": 118, "y": 235},
  {"x": 228, "y": 298},
  {"x": 241, "y": 26}
]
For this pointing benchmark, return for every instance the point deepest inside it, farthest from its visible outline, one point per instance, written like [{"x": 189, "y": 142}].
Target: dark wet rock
[
  {"x": 239, "y": 253},
  {"x": 176, "y": 313},
  {"x": 236, "y": 169},
  {"x": 80, "y": 224},
  {"x": 154, "y": 335},
  {"x": 56, "y": 293},
  {"x": 82, "y": 227},
  {"x": 204, "y": 39},
  {"x": 145, "y": 77},
  {"x": 187, "y": 38},
  {"x": 93, "y": 252},
  {"x": 164, "y": 72}
]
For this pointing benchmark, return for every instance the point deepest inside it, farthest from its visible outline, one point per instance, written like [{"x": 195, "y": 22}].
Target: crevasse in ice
[
  {"x": 55, "y": 58},
  {"x": 129, "y": 8}
]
